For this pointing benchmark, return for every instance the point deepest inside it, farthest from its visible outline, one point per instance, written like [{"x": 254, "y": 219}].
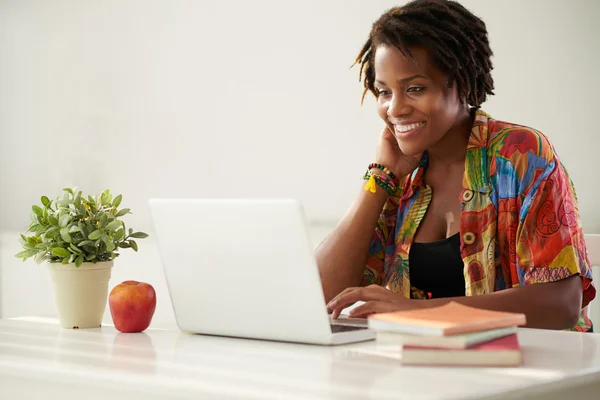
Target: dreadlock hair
[{"x": 455, "y": 39}]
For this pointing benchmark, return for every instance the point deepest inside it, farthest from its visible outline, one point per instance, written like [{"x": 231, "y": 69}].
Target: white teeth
[{"x": 408, "y": 127}]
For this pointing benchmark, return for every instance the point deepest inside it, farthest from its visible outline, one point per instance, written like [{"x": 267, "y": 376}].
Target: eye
[
  {"x": 382, "y": 92},
  {"x": 415, "y": 89}
]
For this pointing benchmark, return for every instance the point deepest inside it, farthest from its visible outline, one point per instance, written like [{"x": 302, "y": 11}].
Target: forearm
[
  {"x": 342, "y": 255},
  {"x": 554, "y": 305}
]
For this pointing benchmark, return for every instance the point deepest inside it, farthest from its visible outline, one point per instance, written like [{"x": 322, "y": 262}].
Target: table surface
[{"x": 40, "y": 359}]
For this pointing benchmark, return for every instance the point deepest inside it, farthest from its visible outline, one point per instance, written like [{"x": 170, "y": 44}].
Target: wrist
[
  {"x": 384, "y": 171},
  {"x": 378, "y": 171}
]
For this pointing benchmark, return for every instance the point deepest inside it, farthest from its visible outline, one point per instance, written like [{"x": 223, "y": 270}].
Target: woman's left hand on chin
[{"x": 377, "y": 299}]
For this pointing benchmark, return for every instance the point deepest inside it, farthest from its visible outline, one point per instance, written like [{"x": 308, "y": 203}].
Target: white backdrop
[
  {"x": 251, "y": 98},
  {"x": 248, "y": 98}
]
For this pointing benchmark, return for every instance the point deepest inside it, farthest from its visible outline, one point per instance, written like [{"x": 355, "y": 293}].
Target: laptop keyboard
[{"x": 345, "y": 328}]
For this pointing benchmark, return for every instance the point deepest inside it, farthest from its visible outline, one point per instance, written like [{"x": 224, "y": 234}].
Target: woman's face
[{"x": 414, "y": 100}]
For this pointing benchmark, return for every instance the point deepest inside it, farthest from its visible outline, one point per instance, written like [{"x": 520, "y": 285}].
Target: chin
[{"x": 411, "y": 149}]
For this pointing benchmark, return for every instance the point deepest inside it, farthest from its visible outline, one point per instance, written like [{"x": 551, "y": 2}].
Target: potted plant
[{"x": 78, "y": 237}]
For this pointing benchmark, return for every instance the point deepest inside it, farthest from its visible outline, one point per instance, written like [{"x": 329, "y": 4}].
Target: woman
[{"x": 458, "y": 206}]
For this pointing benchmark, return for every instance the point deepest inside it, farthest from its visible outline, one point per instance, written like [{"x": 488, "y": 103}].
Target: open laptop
[{"x": 245, "y": 268}]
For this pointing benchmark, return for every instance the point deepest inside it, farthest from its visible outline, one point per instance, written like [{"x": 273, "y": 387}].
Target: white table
[{"x": 41, "y": 360}]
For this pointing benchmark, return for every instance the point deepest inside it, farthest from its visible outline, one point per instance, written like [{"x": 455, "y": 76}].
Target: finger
[
  {"x": 387, "y": 133},
  {"x": 340, "y": 302},
  {"x": 337, "y": 310},
  {"x": 330, "y": 305},
  {"x": 369, "y": 308},
  {"x": 336, "y": 313},
  {"x": 370, "y": 293}
]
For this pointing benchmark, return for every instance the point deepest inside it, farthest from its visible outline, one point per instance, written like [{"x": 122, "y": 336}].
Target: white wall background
[{"x": 245, "y": 99}]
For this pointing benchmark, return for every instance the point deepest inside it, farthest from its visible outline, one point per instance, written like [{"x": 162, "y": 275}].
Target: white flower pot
[{"x": 80, "y": 293}]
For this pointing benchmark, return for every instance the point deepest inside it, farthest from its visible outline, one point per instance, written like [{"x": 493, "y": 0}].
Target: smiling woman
[{"x": 459, "y": 206}]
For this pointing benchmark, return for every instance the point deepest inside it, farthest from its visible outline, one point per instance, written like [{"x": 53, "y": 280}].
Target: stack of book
[{"x": 452, "y": 334}]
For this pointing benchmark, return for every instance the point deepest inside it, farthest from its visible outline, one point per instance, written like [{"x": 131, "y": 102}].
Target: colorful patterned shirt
[{"x": 519, "y": 222}]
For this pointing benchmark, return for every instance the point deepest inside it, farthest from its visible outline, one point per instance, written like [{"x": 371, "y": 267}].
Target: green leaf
[
  {"x": 69, "y": 190},
  {"x": 130, "y": 231},
  {"x": 110, "y": 246},
  {"x": 74, "y": 228},
  {"x": 106, "y": 198},
  {"x": 45, "y": 201},
  {"x": 76, "y": 249},
  {"x": 77, "y": 200},
  {"x": 119, "y": 235},
  {"x": 37, "y": 210},
  {"x": 23, "y": 237},
  {"x": 139, "y": 235},
  {"x": 123, "y": 212},
  {"x": 33, "y": 227},
  {"x": 85, "y": 243},
  {"x": 41, "y": 256},
  {"x": 104, "y": 238},
  {"x": 60, "y": 252},
  {"x": 124, "y": 245},
  {"x": 31, "y": 240},
  {"x": 65, "y": 261},
  {"x": 79, "y": 261},
  {"x": 97, "y": 234},
  {"x": 63, "y": 220},
  {"x": 117, "y": 201},
  {"x": 72, "y": 258},
  {"x": 53, "y": 220},
  {"x": 64, "y": 233},
  {"x": 133, "y": 245},
  {"x": 113, "y": 226},
  {"x": 103, "y": 220},
  {"x": 52, "y": 233},
  {"x": 26, "y": 254},
  {"x": 90, "y": 257}
]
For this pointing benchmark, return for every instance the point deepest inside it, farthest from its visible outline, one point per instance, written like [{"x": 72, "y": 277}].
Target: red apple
[{"x": 132, "y": 305}]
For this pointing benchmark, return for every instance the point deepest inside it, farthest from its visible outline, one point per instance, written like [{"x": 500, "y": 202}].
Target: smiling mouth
[{"x": 408, "y": 129}]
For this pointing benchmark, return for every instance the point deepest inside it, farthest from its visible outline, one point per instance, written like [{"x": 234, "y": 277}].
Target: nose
[{"x": 398, "y": 107}]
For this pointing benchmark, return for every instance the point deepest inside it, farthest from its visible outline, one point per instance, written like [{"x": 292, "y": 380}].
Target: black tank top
[{"x": 437, "y": 268}]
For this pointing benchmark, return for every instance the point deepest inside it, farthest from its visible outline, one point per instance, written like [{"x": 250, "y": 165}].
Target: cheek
[
  {"x": 449, "y": 104},
  {"x": 445, "y": 109},
  {"x": 382, "y": 110}
]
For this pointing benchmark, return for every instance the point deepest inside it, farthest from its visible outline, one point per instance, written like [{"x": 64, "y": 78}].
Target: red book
[{"x": 504, "y": 351}]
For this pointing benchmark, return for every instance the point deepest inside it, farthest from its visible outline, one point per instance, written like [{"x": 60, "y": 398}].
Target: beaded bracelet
[
  {"x": 373, "y": 180},
  {"x": 385, "y": 170},
  {"x": 386, "y": 183}
]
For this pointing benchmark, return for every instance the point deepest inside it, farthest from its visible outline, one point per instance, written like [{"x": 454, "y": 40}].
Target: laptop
[{"x": 246, "y": 268}]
